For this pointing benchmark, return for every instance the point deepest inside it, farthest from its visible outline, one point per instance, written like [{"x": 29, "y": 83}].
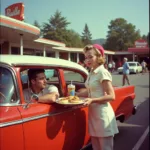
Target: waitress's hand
[{"x": 87, "y": 101}]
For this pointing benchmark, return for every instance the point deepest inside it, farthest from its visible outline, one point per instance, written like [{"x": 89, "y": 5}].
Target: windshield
[
  {"x": 7, "y": 90},
  {"x": 132, "y": 64}
]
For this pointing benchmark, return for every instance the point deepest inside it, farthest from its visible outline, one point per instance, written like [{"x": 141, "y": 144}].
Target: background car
[{"x": 134, "y": 67}]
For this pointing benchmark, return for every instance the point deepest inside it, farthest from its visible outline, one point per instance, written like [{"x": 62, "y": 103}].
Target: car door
[
  {"x": 139, "y": 67},
  {"x": 54, "y": 126},
  {"x": 11, "y": 131}
]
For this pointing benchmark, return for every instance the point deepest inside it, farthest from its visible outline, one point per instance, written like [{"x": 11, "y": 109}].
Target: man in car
[{"x": 38, "y": 89}]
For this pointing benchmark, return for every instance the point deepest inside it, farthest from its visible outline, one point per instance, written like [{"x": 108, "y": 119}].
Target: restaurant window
[
  {"x": 28, "y": 51},
  {"x": 38, "y": 53},
  {"x": 50, "y": 54},
  {"x": 73, "y": 57},
  {"x": 15, "y": 50}
]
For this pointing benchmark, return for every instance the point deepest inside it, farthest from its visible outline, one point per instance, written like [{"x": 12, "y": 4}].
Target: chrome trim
[
  {"x": 5, "y": 124},
  {"x": 10, "y": 123},
  {"x": 50, "y": 114},
  {"x": 11, "y": 104}
]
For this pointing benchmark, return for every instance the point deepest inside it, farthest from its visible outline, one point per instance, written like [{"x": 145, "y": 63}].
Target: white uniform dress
[
  {"x": 48, "y": 89},
  {"x": 102, "y": 121}
]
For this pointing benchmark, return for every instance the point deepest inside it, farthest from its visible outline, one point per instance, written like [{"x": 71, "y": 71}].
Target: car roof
[
  {"x": 133, "y": 62},
  {"x": 26, "y": 60}
]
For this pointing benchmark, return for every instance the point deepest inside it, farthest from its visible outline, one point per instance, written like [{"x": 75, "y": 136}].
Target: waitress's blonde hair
[{"x": 100, "y": 59}]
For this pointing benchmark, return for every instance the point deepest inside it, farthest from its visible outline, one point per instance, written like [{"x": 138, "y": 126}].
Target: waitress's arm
[
  {"x": 108, "y": 89},
  {"x": 83, "y": 92}
]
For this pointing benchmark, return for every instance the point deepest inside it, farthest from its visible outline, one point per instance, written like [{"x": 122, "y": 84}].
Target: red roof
[{"x": 139, "y": 50}]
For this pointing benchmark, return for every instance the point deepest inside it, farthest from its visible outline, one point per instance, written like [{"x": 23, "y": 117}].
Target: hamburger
[
  {"x": 74, "y": 99},
  {"x": 70, "y": 99}
]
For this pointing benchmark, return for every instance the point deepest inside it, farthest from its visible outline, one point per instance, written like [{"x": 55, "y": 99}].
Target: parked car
[
  {"x": 33, "y": 125},
  {"x": 134, "y": 67}
]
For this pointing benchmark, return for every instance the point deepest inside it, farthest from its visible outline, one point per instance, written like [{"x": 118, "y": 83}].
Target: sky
[{"x": 96, "y": 13}]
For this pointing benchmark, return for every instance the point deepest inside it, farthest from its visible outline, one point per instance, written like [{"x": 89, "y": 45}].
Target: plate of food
[{"x": 70, "y": 100}]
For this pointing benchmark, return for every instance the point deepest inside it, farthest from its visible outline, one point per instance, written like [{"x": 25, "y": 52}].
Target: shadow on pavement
[
  {"x": 143, "y": 86},
  {"x": 131, "y": 130}
]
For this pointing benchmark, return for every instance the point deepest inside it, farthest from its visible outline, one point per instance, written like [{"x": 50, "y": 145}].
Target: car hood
[{"x": 131, "y": 67}]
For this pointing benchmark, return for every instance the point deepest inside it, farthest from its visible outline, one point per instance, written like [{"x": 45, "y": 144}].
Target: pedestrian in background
[
  {"x": 143, "y": 64},
  {"x": 113, "y": 66},
  {"x": 102, "y": 121},
  {"x": 125, "y": 72},
  {"x": 110, "y": 67}
]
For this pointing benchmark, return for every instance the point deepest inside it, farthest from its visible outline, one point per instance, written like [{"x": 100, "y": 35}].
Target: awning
[{"x": 139, "y": 50}]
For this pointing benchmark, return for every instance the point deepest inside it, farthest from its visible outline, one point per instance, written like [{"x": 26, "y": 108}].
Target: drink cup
[{"x": 71, "y": 90}]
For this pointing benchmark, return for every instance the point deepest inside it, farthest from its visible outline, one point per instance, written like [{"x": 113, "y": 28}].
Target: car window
[
  {"x": 50, "y": 75},
  {"x": 73, "y": 76},
  {"x": 132, "y": 64},
  {"x": 7, "y": 87}
]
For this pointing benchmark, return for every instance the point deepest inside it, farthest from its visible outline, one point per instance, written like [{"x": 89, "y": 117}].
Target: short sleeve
[
  {"x": 52, "y": 88},
  {"x": 105, "y": 75}
]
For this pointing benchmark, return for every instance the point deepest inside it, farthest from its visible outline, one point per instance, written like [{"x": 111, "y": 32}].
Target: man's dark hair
[{"x": 32, "y": 73}]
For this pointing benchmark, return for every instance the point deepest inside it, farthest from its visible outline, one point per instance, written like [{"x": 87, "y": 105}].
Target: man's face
[{"x": 40, "y": 81}]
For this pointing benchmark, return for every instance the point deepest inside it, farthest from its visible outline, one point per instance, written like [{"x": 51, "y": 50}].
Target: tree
[
  {"x": 56, "y": 23},
  {"x": 86, "y": 35},
  {"x": 74, "y": 39},
  {"x": 144, "y": 37},
  {"x": 35, "y": 23},
  {"x": 56, "y": 30},
  {"x": 121, "y": 35}
]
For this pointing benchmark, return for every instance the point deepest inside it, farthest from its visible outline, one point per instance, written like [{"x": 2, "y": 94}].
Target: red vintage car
[{"x": 28, "y": 126}]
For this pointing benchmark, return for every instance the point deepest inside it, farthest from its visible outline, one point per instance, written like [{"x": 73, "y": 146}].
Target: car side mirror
[{"x": 29, "y": 102}]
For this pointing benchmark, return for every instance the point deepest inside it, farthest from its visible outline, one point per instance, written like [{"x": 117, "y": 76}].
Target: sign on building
[
  {"x": 141, "y": 44},
  {"x": 15, "y": 11}
]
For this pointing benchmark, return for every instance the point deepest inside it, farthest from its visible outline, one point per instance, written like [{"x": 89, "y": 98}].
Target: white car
[{"x": 134, "y": 67}]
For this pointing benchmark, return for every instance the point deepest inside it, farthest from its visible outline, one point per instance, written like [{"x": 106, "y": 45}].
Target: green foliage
[
  {"x": 86, "y": 35},
  {"x": 36, "y": 24},
  {"x": 146, "y": 38},
  {"x": 74, "y": 39},
  {"x": 56, "y": 30},
  {"x": 121, "y": 35},
  {"x": 55, "y": 22}
]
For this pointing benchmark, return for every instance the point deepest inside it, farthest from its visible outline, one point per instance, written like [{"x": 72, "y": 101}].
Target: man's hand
[{"x": 54, "y": 97}]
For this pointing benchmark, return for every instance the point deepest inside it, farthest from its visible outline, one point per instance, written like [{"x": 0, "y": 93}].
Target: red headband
[{"x": 99, "y": 48}]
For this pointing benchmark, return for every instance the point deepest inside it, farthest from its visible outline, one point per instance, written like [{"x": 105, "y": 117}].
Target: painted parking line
[{"x": 141, "y": 140}]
